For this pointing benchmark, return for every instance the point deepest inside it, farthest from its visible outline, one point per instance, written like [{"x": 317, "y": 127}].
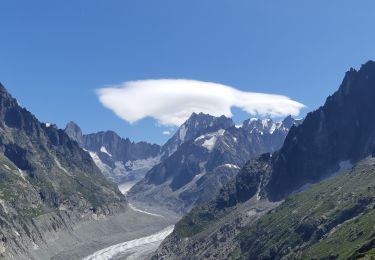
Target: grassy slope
[{"x": 334, "y": 219}]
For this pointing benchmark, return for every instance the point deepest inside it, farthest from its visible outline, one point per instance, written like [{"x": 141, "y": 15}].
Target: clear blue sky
[{"x": 54, "y": 54}]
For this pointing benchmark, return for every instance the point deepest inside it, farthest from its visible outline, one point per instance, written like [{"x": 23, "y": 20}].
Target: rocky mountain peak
[
  {"x": 201, "y": 123},
  {"x": 288, "y": 121},
  {"x": 2, "y": 88},
  {"x": 74, "y": 132},
  {"x": 194, "y": 126},
  {"x": 341, "y": 130},
  {"x": 269, "y": 126}
]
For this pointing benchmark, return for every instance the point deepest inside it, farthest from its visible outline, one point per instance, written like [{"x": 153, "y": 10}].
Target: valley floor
[{"x": 134, "y": 233}]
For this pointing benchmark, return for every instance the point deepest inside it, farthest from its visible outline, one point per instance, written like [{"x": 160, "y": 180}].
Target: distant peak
[
  {"x": 2, "y": 88},
  {"x": 288, "y": 120},
  {"x": 74, "y": 132},
  {"x": 369, "y": 63},
  {"x": 4, "y": 91},
  {"x": 73, "y": 126},
  {"x": 202, "y": 116}
]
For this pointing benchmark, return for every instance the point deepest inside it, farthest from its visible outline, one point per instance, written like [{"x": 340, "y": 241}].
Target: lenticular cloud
[{"x": 172, "y": 101}]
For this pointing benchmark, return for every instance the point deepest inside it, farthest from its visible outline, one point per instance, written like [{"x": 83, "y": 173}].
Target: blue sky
[{"x": 55, "y": 54}]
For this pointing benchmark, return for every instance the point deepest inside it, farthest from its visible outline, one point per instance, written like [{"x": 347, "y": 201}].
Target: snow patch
[
  {"x": 182, "y": 133},
  {"x": 199, "y": 138},
  {"x": 143, "y": 211},
  {"x": 273, "y": 128},
  {"x": 125, "y": 187},
  {"x": 104, "y": 150},
  {"x": 233, "y": 166},
  {"x": 198, "y": 176},
  {"x": 23, "y": 175},
  {"x": 104, "y": 168},
  {"x": 3, "y": 205},
  {"x": 61, "y": 167},
  {"x": 265, "y": 122},
  {"x": 210, "y": 143}
]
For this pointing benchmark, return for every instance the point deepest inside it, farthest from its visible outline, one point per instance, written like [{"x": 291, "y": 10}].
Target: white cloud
[
  {"x": 172, "y": 101},
  {"x": 166, "y": 132}
]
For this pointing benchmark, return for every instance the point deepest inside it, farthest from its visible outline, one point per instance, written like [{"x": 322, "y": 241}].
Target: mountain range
[
  {"x": 294, "y": 189},
  {"x": 203, "y": 154},
  {"x": 274, "y": 210},
  {"x": 119, "y": 159},
  {"x": 208, "y": 151}
]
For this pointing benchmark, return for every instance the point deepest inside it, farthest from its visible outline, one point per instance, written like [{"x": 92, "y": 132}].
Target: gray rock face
[
  {"x": 203, "y": 163},
  {"x": 120, "y": 160},
  {"x": 343, "y": 130},
  {"x": 47, "y": 182}
]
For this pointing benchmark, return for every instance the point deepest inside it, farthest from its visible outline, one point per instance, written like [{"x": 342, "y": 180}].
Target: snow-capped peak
[{"x": 268, "y": 126}]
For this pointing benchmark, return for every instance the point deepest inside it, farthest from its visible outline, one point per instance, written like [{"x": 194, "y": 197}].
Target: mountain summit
[{"x": 196, "y": 125}]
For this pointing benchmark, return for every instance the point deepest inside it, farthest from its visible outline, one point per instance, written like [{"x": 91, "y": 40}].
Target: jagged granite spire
[{"x": 74, "y": 132}]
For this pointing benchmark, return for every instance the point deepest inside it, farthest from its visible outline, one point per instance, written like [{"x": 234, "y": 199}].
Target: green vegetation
[
  {"x": 32, "y": 212},
  {"x": 197, "y": 220},
  {"x": 9, "y": 176},
  {"x": 334, "y": 219}
]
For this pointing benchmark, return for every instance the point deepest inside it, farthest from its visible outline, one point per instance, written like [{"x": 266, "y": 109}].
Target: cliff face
[
  {"x": 47, "y": 182},
  {"x": 341, "y": 130}
]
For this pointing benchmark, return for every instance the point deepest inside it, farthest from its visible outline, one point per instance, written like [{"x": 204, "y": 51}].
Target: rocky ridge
[
  {"x": 47, "y": 182},
  {"x": 119, "y": 159}
]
